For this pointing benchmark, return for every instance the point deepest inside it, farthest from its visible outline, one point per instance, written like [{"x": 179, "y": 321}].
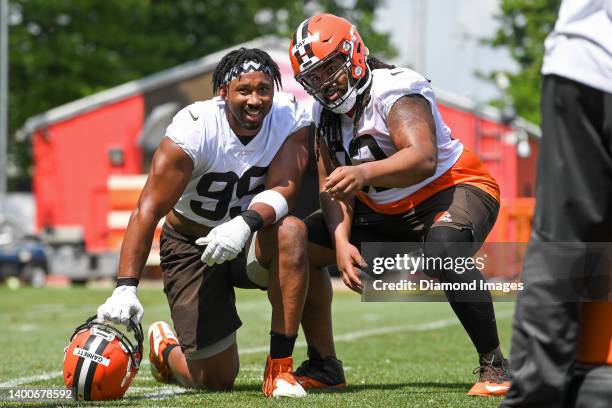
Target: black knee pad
[{"x": 446, "y": 242}]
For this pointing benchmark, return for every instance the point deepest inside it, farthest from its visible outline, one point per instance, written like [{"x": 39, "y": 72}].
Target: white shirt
[
  {"x": 226, "y": 173},
  {"x": 580, "y": 46},
  {"x": 373, "y": 141}
]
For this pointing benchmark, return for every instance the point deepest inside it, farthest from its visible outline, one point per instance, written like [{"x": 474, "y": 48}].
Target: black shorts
[
  {"x": 201, "y": 298},
  {"x": 462, "y": 207}
]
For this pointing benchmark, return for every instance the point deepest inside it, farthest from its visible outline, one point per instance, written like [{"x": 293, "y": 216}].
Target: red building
[{"x": 90, "y": 154}]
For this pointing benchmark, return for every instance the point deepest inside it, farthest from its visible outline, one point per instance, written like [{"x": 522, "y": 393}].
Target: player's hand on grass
[
  {"x": 225, "y": 241},
  {"x": 345, "y": 181},
  {"x": 349, "y": 262},
  {"x": 122, "y": 306}
]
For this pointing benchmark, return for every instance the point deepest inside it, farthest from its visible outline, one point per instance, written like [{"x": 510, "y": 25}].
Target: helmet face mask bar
[
  {"x": 317, "y": 87},
  {"x": 103, "y": 329}
]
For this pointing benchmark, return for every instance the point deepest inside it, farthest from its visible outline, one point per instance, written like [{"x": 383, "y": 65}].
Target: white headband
[{"x": 247, "y": 66}]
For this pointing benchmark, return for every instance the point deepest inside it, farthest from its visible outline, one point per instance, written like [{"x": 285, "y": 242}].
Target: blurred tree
[
  {"x": 524, "y": 26},
  {"x": 62, "y": 50}
]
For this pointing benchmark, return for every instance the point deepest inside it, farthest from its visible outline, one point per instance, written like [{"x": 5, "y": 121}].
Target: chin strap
[{"x": 360, "y": 87}]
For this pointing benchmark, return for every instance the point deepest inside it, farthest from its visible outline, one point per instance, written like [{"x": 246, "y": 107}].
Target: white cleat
[
  {"x": 160, "y": 336},
  {"x": 279, "y": 380},
  {"x": 284, "y": 388}
]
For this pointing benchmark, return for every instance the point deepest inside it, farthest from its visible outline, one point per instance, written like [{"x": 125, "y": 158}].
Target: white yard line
[
  {"x": 26, "y": 380},
  {"x": 350, "y": 336},
  {"x": 359, "y": 334},
  {"x": 158, "y": 391}
]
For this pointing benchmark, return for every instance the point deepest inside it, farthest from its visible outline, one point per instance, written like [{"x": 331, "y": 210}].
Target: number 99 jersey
[{"x": 227, "y": 173}]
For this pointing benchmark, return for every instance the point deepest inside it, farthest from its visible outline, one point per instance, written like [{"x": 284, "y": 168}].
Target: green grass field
[{"x": 395, "y": 354}]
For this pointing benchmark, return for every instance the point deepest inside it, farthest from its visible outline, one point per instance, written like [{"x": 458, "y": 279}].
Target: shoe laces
[{"x": 494, "y": 370}]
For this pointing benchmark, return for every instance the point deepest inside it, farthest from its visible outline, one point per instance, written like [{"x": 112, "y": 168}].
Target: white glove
[
  {"x": 225, "y": 241},
  {"x": 121, "y": 306}
]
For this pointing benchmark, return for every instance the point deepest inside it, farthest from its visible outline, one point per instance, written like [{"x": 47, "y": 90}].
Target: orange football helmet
[
  {"x": 100, "y": 362},
  {"x": 317, "y": 41}
]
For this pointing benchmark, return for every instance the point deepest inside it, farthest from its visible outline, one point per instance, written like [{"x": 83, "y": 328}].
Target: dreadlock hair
[
  {"x": 238, "y": 57},
  {"x": 330, "y": 125}
]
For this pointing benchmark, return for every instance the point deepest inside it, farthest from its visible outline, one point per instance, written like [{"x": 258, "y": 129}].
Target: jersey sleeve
[
  {"x": 307, "y": 108},
  {"x": 400, "y": 82},
  {"x": 297, "y": 113},
  {"x": 187, "y": 131}
]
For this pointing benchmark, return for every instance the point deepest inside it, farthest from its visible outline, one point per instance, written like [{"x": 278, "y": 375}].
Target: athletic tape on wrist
[
  {"x": 127, "y": 282},
  {"x": 253, "y": 220},
  {"x": 275, "y": 200}
]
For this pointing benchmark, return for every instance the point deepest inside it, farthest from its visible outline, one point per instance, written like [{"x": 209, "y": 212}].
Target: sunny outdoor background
[{"x": 86, "y": 91}]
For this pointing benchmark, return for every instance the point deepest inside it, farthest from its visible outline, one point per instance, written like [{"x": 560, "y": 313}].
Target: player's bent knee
[
  {"x": 214, "y": 382},
  {"x": 217, "y": 383},
  {"x": 215, "y": 376},
  {"x": 218, "y": 368},
  {"x": 292, "y": 230},
  {"x": 445, "y": 242},
  {"x": 292, "y": 238},
  {"x": 288, "y": 233}
]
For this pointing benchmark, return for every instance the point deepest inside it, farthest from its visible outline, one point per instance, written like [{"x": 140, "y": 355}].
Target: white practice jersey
[
  {"x": 226, "y": 173},
  {"x": 373, "y": 141},
  {"x": 580, "y": 46}
]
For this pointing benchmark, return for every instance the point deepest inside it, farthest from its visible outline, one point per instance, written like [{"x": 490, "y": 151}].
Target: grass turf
[{"x": 395, "y": 354}]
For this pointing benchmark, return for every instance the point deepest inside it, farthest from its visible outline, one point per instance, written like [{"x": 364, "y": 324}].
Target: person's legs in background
[{"x": 574, "y": 197}]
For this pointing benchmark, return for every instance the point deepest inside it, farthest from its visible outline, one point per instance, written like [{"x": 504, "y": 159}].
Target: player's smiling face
[{"x": 248, "y": 99}]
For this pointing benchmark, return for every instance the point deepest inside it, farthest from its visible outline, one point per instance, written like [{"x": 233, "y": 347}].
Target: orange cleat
[
  {"x": 279, "y": 380},
  {"x": 160, "y": 336},
  {"x": 489, "y": 389},
  {"x": 494, "y": 377}
]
